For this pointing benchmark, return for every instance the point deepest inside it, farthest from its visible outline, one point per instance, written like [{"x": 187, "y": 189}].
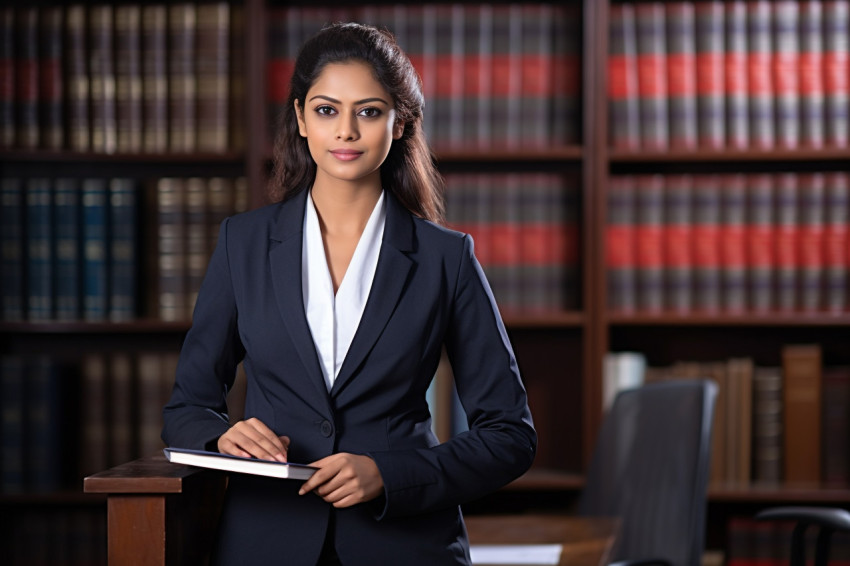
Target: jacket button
[{"x": 326, "y": 428}]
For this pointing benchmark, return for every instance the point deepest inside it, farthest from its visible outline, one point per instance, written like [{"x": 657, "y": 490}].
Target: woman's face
[{"x": 349, "y": 121}]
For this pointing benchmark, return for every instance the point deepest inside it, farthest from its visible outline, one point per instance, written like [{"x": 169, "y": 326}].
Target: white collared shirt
[{"x": 333, "y": 320}]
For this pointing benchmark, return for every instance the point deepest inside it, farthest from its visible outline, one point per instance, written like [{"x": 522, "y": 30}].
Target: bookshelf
[{"x": 561, "y": 349}]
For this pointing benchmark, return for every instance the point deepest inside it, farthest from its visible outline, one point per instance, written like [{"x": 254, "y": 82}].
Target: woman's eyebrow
[{"x": 335, "y": 101}]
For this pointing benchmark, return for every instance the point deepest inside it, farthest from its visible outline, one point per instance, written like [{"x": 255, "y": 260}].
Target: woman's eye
[
  {"x": 325, "y": 110},
  {"x": 370, "y": 112}
]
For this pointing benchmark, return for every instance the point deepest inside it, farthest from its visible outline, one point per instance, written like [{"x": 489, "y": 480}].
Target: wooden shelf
[
  {"x": 142, "y": 326},
  {"x": 71, "y": 498},
  {"x": 45, "y": 156},
  {"x": 779, "y": 493},
  {"x": 748, "y": 156},
  {"x": 745, "y": 319},
  {"x": 520, "y": 319}
]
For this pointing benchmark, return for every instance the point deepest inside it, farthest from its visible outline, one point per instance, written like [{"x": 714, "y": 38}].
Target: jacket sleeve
[
  {"x": 501, "y": 441},
  {"x": 196, "y": 414}
]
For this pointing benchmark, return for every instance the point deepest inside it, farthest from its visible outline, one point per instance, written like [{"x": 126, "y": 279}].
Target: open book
[{"x": 218, "y": 461}]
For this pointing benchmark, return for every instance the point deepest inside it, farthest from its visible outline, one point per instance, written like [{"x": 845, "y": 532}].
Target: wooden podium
[{"x": 159, "y": 513}]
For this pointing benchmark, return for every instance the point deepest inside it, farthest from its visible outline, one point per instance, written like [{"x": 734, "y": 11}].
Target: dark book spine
[
  {"x": 505, "y": 240},
  {"x": 196, "y": 239},
  {"x": 536, "y": 73},
  {"x": 620, "y": 248},
  {"x": 565, "y": 228},
  {"x": 787, "y": 240},
  {"x": 478, "y": 75},
  {"x": 836, "y": 71},
  {"x": 761, "y": 241},
  {"x": 104, "y": 132},
  {"x": 767, "y": 425},
  {"x": 43, "y": 393},
  {"x": 535, "y": 242},
  {"x": 128, "y": 78},
  {"x": 682, "y": 74},
  {"x": 733, "y": 242},
  {"x": 39, "y": 229},
  {"x": 507, "y": 74},
  {"x": 51, "y": 84},
  {"x": 7, "y": 76},
  {"x": 237, "y": 100},
  {"x": 66, "y": 202},
  {"x": 837, "y": 240},
  {"x": 811, "y": 241},
  {"x": 12, "y": 441},
  {"x": 710, "y": 74},
  {"x": 812, "y": 100},
  {"x": 171, "y": 248},
  {"x": 182, "y": 80},
  {"x": 706, "y": 232},
  {"x": 220, "y": 205},
  {"x": 26, "y": 77},
  {"x": 12, "y": 252},
  {"x": 760, "y": 74},
  {"x": 786, "y": 72},
  {"x": 652, "y": 76},
  {"x": 123, "y": 249},
  {"x": 678, "y": 242},
  {"x": 77, "y": 78},
  {"x": 95, "y": 253},
  {"x": 649, "y": 224},
  {"x": 836, "y": 425},
  {"x": 624, "y": 108},
  {"x": 154, "y": 79},
  {"x": 213, "y": 73},
  {"x": 736, "y": 75},
  {"x": 567, "y": 74}
]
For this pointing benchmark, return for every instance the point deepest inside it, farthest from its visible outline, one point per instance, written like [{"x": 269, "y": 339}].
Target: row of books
[
  {"x": 84, "y": 249},
  {"x": 126, "y": 78},
  {"x": 787, "y": 422},
  {"x": 526, "y": 233},
  {"x": 52, "y": 535},
  {"x": 729, "y": 242},
  {"x": 729, "y": 74},
  {"x": 750, "y": 542},
  {"x": 493, "y": 75}
]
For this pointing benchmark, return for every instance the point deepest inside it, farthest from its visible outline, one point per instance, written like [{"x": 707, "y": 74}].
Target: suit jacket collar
[{"x": 391, "y": 273}]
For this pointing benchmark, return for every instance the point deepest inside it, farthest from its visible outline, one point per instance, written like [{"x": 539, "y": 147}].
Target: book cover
[
  {"x": 736, "y": 73},
  {"x": 682, "y": 82},
  {"x": 12, "y": 250},
  {"x": 67, "y": 207},
  {"x": 128, "y": 78},
  {"x": 623, "y": 103},
  {"x": 836, "y": 71},
  {"x": 710, "y": 90},
  {"x": 811, "y": 65},
  {"x": 154, "y": 32},
  {"x": 653, "y": 93},
  {"x": 226, "y": 462},
  {"x": 801, "y": 367}
]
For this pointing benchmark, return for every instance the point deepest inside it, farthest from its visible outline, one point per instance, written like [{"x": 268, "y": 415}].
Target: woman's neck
[{"x": 344, "y": 208}]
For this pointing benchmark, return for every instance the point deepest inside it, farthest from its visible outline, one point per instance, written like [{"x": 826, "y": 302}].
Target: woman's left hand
[{"x": 345, "y": 479}]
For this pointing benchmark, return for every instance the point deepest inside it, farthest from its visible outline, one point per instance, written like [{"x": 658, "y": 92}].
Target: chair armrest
[
  {"x": 829, "y": 517},
  {"x": 159, "y": 513}
]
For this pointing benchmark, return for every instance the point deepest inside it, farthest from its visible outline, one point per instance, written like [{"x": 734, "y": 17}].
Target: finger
[
  {"x": 226, "y": 446},
  {"x": 255, "y": 445},
  {"x": 267, "y": 438},
  {"x": 324, "y": 474}
]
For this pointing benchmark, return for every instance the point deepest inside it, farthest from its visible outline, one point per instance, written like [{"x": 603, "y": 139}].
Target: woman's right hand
[{"x": 252, "y": 438}]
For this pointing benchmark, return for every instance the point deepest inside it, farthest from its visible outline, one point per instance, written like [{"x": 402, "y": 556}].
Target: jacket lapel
[
  {"x": 285, "y": 262},
  {"x": 391, "y": 275}
]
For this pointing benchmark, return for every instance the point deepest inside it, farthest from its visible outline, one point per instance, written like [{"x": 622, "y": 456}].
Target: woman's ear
[
  {"x": 398, "y": 129},
  {"x": 299, "y": 113}
]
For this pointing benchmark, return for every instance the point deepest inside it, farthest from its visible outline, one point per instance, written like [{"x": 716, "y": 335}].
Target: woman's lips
[{"x": 346, "y": 154}]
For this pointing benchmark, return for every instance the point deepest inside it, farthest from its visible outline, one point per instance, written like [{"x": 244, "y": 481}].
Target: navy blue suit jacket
[{"x": 428, "y": 291}]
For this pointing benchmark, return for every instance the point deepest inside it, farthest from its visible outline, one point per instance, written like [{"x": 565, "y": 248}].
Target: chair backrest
[{"x": 650, "y": 467}]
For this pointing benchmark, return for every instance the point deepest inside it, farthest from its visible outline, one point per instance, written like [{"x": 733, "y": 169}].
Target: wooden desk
[
  {"x": 159, "y": 513},
  {"x": 586, "y": 541}
]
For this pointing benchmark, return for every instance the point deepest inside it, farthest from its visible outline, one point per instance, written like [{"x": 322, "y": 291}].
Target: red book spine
[
  {"x": 786, "y": 72},
  {"x": 650, "y": 246},
  {"x": 811, "y": 240},
  {"x": 811, "y": 74},
  {"x": 736, "y": 73},
  {"x": 761, "y": 251},
  {"x": 837, "y": 240},
  {"x": 7, "y": 77},
  {"x": 710, "y": 74},
  {"x": 624, "y": 120},
  {"x": 836, "y": 70},
  {"x": 535, "y": 241},
  {"x": 507, "y": 73},
  {"x": 706, "y": 241},
  {"x": 477, "y": 84},
  {"x": 760, "y": 74},
  {"x": 787, "y": 240},
  {"x": 678, "y": 242},
  {"x": 50, "y": 84},
  {"x": 505, "y": 252},
  {"x": 620, "y": 248},
  {"x": 733, "y": 242},
  {"x": 652, "y": 76},
  {"x": 536, "y": 72},
  {"x": 26, "y": 77},
  {"x": 480, "y": 217},
  {"x": 682, "y": 75}
]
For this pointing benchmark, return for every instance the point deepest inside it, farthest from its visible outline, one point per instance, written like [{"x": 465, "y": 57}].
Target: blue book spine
[
  {"x": 12, "y": 430},
  {"x": 95, "y": 283},
  {"x": 11, "y": 240},
  {"x": 66, "y": 208},
  {"x": 123, "y": 249},
  {"x": 39, "y": 249}
]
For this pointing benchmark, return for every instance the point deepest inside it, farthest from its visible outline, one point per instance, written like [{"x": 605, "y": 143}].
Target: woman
[{"x": 339, "y": 300}]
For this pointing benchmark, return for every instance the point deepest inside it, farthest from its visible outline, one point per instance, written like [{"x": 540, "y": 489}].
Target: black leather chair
[
  {"x": 827, "y": 520},
  {"x": 650, "y": 468}
]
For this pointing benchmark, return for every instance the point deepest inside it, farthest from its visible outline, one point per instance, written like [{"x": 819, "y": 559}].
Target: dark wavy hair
[{"x": 409, "y": 170}]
